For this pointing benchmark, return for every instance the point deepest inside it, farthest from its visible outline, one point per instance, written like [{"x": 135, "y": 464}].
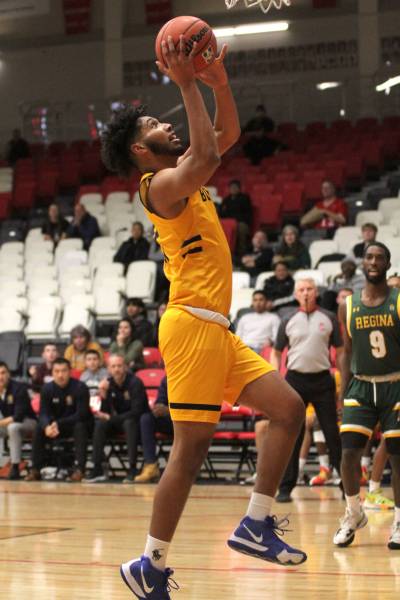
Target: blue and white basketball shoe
[
  {"x": 261, "y": 540},
  {"x": 145, "y": 581}
]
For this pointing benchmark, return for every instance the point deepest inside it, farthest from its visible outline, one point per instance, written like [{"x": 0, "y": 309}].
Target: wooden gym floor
[{"x": 65, "y": 542}]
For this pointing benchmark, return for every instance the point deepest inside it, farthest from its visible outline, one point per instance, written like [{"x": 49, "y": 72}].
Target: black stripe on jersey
[
  {"x": 186, "y": 406},
  {"x": 193, "y": 251},
  {"x": 196, "y": 238}
]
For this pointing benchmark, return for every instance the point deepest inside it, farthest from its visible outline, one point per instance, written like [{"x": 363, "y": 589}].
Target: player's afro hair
[{"x": 117, "y": 138}]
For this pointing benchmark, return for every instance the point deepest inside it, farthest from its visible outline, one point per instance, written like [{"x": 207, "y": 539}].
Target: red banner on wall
[
  {"x": 158, "y": 11},
  {"x": 77, "y": 16},
  {"x": 325, "y": 3}
]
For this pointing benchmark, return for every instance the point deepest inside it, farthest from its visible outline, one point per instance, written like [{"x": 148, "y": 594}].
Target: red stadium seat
[
  {"x": 151, "y": 377},
  {"x": 260, "y": 191},
  {"x": 24, "y": 194},
  {"x": 312, "y": 184},
  {"x": 230, "y": 228},
  {"x": 281, "y": 179},
  {"x": 293, "y": 197},
  {"x": 113, "y": 184},
  {"x": 76, "y": 373},
  {"x": 35, "y": 403},
  {"x": 152, "y": 357},
  {"x": 372, "y": 154},
  {"x": 152, "y": 397},
  {"x": 335, "y": 171},
  {"x": 286, "y": 129},
  {"x": 70, "y": 174},
  {"x": 5, "y": 204},
  {"x": 269, "y": 213},
  {"x": 92, "y": 166}
]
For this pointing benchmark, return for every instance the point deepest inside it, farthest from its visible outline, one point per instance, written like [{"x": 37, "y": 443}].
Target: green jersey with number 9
[{"x": 375, "y": 335}]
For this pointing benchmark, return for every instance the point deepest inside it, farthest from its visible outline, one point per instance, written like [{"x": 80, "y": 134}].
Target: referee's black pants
[{"x": 319, "y": 390}]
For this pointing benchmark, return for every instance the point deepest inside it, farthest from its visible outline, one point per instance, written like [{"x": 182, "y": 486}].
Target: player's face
[
  {"x": 61, "y": 375},
  {"x": 159, "y": 138},
  {"x": 375, "y": 264}
]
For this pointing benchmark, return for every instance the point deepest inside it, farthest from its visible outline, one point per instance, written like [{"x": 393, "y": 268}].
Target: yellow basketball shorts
[{"x": 205, "y": 365}]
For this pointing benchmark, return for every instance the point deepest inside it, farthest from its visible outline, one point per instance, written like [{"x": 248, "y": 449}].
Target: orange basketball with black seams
[{"x": 193, "y": 30}]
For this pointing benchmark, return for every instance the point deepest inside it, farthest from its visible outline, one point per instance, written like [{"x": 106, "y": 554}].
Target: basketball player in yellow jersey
[{"x": 205, "y": 362}]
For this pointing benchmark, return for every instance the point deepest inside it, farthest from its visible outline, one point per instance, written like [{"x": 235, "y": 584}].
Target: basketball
[{"x": 193, "y": 30}]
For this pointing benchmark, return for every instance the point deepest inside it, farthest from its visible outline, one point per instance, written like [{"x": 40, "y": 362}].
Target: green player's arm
[
  {"x": 170, "y": 187},
  {"x": 344, "y": 358}
]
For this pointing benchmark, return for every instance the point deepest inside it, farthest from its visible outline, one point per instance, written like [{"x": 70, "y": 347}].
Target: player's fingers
[
  {"x": 181, "y": 45},
  {"x": 161, "y": 67},
  {"x": 171, "y": 46},
  {"x": 193, "y": 51},
  {"x": 223, "y": 52}
]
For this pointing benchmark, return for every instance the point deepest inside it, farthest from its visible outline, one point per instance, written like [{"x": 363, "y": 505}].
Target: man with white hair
[{"x": 309, "y": 333}]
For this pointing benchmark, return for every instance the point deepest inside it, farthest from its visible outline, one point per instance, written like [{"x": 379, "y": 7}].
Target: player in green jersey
[{"x": 370, "y": 371}]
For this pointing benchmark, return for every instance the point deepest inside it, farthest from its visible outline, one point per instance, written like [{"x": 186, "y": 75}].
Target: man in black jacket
[
  {"x": 17, "y": 418},
  {"x": 156, "y": 421},
  {"x": 124, "y": 400},
  {"x": 64, "y": 412},
  {"x": 237, "y": 206},
  {"x": 136, "y": 248},
  {"x": 84, "y": 226}
]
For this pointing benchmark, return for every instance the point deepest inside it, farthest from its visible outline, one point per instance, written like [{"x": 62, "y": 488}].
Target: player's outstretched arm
[
  {"x": 344, "y": 358},
  {"x": 226, "y": 121},
  {"x": 171, "y": 186}
]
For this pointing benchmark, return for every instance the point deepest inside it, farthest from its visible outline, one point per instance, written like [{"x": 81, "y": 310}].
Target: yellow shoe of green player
[{"x": 377, "y": 501}]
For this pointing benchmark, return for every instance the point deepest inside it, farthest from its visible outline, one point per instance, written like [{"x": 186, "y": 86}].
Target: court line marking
[
  {"x": 82, "y": 492},
  {"x": 42, "y": 531},
  {"x": 276, "y": 571}
]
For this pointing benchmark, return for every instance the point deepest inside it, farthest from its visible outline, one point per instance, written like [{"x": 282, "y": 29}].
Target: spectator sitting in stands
[
  {"x": 156, "y": 421},
  {"x": 123, "y": 402},
  {"x": 261, "y": 257},
  {"x": 55, "y": 228},
  {"x": 83, "y": 226},
  {"x": 41, "y": 374},
  {"x": 17, "y": 418},
  {"x": 328, "y": 213},
  {"x": 93, "y": 375},
  {"x": 291, "y": 250},
  {"x": 64, "y": 412},
  {"x": 259, "y": 121},
  {"x": 127, "y": 346},
  {"x": 348, "y": 278},
  {"x": 260, "y": 327},
  {"x": 136, "y": 311},
  {"x": 237, "y": 206},
  {"x": 136, "y": 248},
  {"x": 162, "y": 307},
  {"x": 80, "y": 343},
  {"x": 17, "y": 148},
  {"x": 369, "y": 232},
  {"x": 279, "y": 288}
]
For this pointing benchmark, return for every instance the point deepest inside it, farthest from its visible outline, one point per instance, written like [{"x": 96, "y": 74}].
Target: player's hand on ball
[
  {"x": 180, "y": 66},
  {"x": 215, "y": 75}
]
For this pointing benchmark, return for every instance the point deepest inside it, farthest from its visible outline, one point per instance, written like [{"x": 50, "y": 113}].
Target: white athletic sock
[
  {"x": 302, "y": 464},
  {"x": 353, "y": 503},
  {"x": 259, "y": 506},
  {"x": 373, "y": 486},
  {"x": 366, "y": 461},
  {"x": 323, "y": 460},
  {"x": 397, "y": 514},
  {"x": 156, "y": 551}
]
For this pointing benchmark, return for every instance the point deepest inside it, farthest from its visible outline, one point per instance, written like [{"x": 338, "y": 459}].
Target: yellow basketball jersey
[{"x": 198, "y": 260}]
